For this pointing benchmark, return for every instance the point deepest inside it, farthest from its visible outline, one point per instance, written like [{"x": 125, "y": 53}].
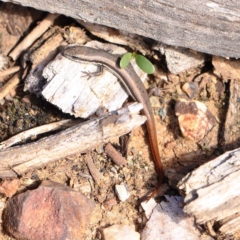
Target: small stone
[
  {"x": 148, "y": 206},
  {"x": 195, "y": 120},
  {"x": 109, "y": 203},
  {"x": 181, "y": 59},
  {"x": 121, "y": 232},
  {"x": 190, "y": 88},
  {"x": 122, "y": 192},
  {"x": 155, "y": 102},
  {"x": 170, "y": 145},
  {"x": 26, "y": 99},
  {"x": 83, "y": 187},
  {"x": 52, "y": 211}
]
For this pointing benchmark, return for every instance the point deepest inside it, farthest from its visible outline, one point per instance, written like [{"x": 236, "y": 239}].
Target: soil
[{"x": 23, "y": 111}]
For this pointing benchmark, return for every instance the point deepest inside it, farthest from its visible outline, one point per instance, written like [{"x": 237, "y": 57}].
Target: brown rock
[
  {"x": 52, "y": 211},
  {"x": 109, "y": 203},
  {"x": 9, "y": 187},
  {"x": 195, "y": 120}
]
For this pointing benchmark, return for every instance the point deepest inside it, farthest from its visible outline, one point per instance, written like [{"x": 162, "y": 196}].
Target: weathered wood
[
  {"x": 231, "y": 126},
  {"x": 34, "y": 132},
  {"x": 71, "y": 89},
  {"x": 229, "y": 72},
  {"x": 205, "y": 26},
  {"x": 213, "y": 193},
  {"x": 77, "y": 139}
]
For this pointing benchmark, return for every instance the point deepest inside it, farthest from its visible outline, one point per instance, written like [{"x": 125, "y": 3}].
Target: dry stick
[
  {"x": 74, "y": 140},
  {"x": 97, "y": 176},
  {"x": 115, "y": 155},
  {"x": 38, "y": 130},
  {"x": 9, "y": 71},
  {"x": 33, "y": 36},
  {"x": 210, "y": 229},
  {"x": 13, "y": 82}
]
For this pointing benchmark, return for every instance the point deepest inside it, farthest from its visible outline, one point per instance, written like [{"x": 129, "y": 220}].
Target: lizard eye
[{"x": 74, "y": 57}]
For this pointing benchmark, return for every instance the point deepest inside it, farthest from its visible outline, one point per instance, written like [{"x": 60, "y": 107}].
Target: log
[
  {"x": 206, "y": 26},
  {"x": 79, "y": 138},
  {"x": 213, "y": 193}
]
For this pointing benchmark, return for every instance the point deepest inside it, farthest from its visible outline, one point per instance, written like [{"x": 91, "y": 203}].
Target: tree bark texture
[{"x": 206, "y": 26}]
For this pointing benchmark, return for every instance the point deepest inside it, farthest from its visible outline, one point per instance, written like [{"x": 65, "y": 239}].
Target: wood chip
[
  {"x": 97, "y": 176},
  {"x": 115, "y": 155},
  {"x": 213, "y": 193}
]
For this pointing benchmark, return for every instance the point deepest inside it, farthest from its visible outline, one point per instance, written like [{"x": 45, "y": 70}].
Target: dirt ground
[{"x": 24, "y": 110}]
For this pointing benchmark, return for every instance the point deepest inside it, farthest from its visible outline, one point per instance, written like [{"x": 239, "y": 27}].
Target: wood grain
[
  {"x": 206, "y": 26},
  {"x": 80, "y": 138},
  {"x": 213, "y": 194}
]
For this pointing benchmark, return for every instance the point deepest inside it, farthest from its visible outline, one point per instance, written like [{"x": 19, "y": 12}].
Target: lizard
[{"x": 133, "y": 85}]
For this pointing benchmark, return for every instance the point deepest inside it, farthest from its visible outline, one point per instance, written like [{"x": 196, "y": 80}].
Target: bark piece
[
  {"x": 205, "y": 26},
  {"x": 213, "y": 193},
  {"x": 194, "y": 119},
  {"x": 71, "y": 89},
  {"x": 79, "y": 138},
  {"x": 8, "y": 71},
  {"x": 33, "y": 36},
  {"x": 226, "y": 69},
  {"x": 52, "y": 211},
  {"x": 40, "y": 57},
  {"x": 97, "y": 176},
  {"x": 115, "y": 36},
  {"x": 15, "y": 22},
  {"x": 231, "y": 126},
  {"x": 115, "y": 155},
  {"x": 10, "y": 85}
]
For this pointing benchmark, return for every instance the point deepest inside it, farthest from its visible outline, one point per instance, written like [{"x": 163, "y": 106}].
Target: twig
[
  {"x": 74, "y": 140},
  {"x": 36, "y": 131},
  {"x": 115, "y": 155},
  {"x": 33, "y": 36},
  {"x": 97, "y": 176},
  {"x": 13, "y": 82},
  {"x": 9, "y": 71}
]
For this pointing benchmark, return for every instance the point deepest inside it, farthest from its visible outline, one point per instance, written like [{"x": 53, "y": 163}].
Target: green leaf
[
  {"x": 144, "y": 64},
  {"x": 125, "y": 60}
]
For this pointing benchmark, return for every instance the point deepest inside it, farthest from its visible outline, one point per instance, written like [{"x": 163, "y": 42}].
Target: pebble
[
  {"x": 121, "y": 232},
  {"x": 195, "y": 120},
  {"x": 122, "y": 192}
]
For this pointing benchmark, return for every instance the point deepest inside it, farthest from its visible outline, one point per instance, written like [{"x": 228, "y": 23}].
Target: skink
[{"x": 133, "y": 84}]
